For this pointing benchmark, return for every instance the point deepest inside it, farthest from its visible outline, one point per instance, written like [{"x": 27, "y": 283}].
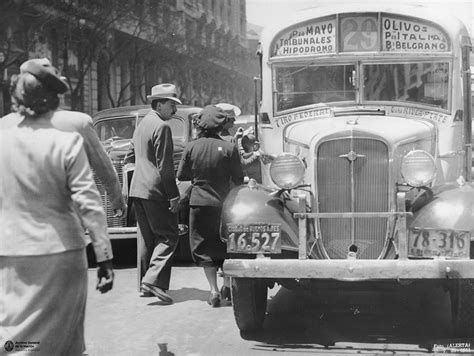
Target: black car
[{"x": 115, "y": 129}]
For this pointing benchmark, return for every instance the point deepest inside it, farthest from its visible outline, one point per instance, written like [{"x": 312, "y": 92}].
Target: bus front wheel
[
  {"x": 249, "y": 300},
  {"x": 462, "y": 307}
]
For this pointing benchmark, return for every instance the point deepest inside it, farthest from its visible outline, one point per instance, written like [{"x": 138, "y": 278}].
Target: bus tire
[
  {"x": 462, "y": 307},
  {"x": 249, "y": 300}
]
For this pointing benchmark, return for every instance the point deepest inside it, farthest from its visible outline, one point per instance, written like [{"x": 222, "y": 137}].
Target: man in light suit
[
  {"x": 74, "y": 121},
  {"x": 155, "y": 193}
]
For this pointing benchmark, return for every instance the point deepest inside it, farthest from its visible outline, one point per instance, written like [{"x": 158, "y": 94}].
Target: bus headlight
[
  {"x": 418, "y": 168},
  {"x": 287, "y": 171}
]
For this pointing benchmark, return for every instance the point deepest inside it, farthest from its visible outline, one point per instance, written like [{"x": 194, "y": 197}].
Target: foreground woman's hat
[
  {"x": 42, "y": 69},
  {"x": 211, "y": 117},
  {"x": 164, "y": 91}
]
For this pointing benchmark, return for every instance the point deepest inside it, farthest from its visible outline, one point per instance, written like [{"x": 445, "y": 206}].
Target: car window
[
  {"x": 116, "y": 128},
  {"x": 178, "y": 129}
]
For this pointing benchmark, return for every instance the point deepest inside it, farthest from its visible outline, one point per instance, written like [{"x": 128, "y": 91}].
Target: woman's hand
[
  {"x": 118, "y": 213},
  {"x": 105, "y": 276},
  {"x": 239, "y": 132},
  {"x": 265, "y": 158},
  {"x": 174, "y": 204}
]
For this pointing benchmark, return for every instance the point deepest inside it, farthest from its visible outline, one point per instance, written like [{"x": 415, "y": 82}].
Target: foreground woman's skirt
[{"x": 42, "y": 303}]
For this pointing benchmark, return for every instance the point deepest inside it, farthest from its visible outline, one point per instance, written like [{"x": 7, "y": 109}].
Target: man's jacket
[{"x": 154, "y": 177}]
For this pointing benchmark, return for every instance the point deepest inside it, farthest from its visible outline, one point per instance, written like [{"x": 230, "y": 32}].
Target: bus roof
[{"x": 452, "y": 24}]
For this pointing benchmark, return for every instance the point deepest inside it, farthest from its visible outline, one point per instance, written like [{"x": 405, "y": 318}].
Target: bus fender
[
  {"x": 448, "y": 207},
  {"x": 245, "y": 205}
]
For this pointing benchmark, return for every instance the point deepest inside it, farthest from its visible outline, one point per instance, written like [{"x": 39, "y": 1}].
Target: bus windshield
[
  {"x": 420, "y": 82},
  {"x": 306, "y": 85},
  {"x": 416, "y": 82}
]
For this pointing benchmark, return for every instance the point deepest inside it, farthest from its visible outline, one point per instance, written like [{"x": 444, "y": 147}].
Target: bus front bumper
[{"x": 349, "y": 270}]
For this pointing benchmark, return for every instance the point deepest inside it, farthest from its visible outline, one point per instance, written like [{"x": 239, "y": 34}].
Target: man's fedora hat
[
  {"x": 43, "y": 70},
  {"x": 230, "y": 109},
  {"x": 164, "y": 91}
]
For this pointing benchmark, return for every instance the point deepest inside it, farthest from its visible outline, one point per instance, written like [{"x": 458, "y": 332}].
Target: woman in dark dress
[{"x": 210, "y": 163}]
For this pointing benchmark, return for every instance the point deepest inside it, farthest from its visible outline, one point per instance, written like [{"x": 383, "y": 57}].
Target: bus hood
[{"x": 393, "y": 130}]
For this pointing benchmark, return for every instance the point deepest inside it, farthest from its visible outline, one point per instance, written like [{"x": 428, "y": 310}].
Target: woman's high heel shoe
[
  {"x": 225, "y": 292},
  {"x": 214, "y": 300}
]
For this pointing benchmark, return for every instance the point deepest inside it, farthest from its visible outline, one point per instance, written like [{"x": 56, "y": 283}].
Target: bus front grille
[{"x": 353, "y": 176}]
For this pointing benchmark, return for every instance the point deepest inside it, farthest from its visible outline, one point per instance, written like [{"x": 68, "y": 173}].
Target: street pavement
[
  {"x": 298, "y": 322},
  {"x": 122, "y": 323}
]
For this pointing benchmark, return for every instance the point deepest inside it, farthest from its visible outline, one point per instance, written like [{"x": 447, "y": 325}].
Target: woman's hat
[
  {"x": 211, "y": 117},
  {"x": 164, "y": 91},
  {"x": 230, "y": 109},
  {"x": 42, "y": 69}
]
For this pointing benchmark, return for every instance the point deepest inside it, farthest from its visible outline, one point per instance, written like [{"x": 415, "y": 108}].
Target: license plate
[
  {"x": 438, "y": 243},
  {"x": 253, "y": 238}
]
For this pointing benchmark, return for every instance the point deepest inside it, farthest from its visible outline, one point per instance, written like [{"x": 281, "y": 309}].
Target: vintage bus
[{"x": 365, "y": 112}]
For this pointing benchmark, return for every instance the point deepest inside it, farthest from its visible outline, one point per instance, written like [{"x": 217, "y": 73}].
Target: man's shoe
[
  {"x": 145, "y": 294},
  {"x": 157, "y": 292}
]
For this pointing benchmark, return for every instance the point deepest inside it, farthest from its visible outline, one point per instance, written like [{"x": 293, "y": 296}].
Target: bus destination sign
[
  {"x": 361, "y": 33},
  {"x": 404, "y": 35},
  {"x": 313, "y": 38}
]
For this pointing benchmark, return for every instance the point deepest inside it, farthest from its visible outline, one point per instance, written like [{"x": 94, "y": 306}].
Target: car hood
[{"x": 394, "y": 130}]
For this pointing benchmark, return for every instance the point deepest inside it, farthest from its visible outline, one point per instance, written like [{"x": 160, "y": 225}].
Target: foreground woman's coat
[{"x": 47, "y": 198}]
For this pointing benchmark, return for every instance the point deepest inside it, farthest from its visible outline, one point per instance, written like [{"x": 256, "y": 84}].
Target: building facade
[{"x": 111, "y": 52}]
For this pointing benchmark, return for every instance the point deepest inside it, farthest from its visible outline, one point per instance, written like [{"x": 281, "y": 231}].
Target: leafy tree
[{"x": 146, "y": 40}]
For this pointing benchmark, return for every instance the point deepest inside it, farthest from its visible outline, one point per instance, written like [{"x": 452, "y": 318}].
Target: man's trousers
[{"x": 158, "y": 236}]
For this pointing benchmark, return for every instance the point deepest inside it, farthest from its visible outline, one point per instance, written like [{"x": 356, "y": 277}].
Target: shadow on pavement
[
  {"x": 185, "y": 294},
  {"x": 402, "y": 318}
]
